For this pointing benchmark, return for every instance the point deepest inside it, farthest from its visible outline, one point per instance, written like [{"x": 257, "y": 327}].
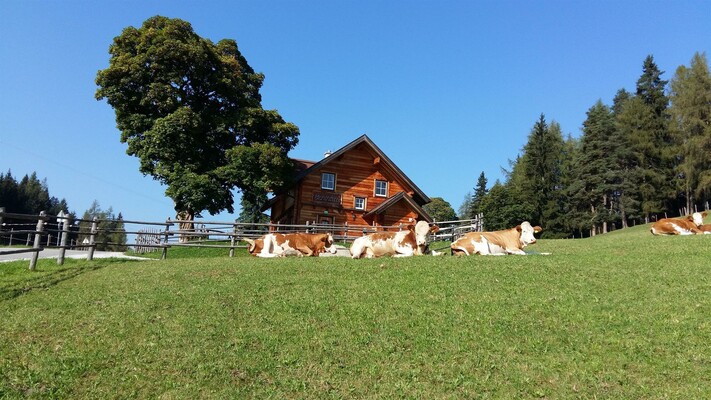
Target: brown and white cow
[
  {"x": 296, "y": 244},
  {"x": 688, "y": 225},
  {"x": 410, "y": 242},
  {"x": 510, "y": 241}
]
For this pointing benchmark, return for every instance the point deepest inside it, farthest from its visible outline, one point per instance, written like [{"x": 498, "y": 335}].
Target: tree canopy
[
  {"x": 440, "y": 210},
  {"x": 190, "y": 110}
]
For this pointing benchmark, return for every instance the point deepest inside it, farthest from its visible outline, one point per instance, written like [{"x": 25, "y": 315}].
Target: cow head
[
  {"x": 422, "y": 229},
  {"x": 255, "y": 246},
  {"x": 328, "y": 243},
  {"x": 698, "y": 218},
  {"x": 526, "y": 231}
]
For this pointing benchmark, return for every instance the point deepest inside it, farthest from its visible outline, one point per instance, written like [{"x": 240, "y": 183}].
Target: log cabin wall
[{"x": 356, "y": 172}]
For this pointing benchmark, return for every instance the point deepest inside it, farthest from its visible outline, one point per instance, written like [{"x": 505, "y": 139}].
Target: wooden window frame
[
  {"x": 375, "y": 189},
  {"x": 355, "y": 203},
  {"x": 334, "y": 181}
]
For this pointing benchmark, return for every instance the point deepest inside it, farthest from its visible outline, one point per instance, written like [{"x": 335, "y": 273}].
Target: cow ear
[
  {"x": 537, "y": 229},
  {"x": 704, "y": 214},
  {"x": 518, "y": 228},
  {"x": 434, "y": 229},
  {"x": 689, "y": 218}
]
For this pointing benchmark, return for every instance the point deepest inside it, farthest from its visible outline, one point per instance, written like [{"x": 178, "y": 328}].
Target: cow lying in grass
[
  {"x": 410, "y": 242},
  {"x": 689, "y": 225},
  {"x": 510, "y": 241},
  {"x": 291, "y": 244}
]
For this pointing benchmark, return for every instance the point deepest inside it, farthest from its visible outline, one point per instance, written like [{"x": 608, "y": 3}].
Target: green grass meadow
[{"x": 619, "y": 316}]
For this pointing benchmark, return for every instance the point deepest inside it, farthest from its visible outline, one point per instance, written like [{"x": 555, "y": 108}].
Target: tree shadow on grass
[{"x": 45, "y": 281}]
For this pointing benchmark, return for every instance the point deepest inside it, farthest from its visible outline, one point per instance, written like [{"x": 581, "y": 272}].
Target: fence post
[
  {"x": 63, "y": 243},
  {"x": 2, "y": 211},
  {"x": 38, "y": 240},
  {"x": 92, "y": 239},
  {"x": 232, "y": 240},
  {"x": 164, "y": 255}
]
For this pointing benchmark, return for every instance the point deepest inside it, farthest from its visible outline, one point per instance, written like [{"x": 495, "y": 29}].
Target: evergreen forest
[
  {"x": 645, "y": 156},
  {"x": 30, "y": 196}
]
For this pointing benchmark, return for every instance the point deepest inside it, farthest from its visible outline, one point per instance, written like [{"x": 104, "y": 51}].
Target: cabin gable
[{"x": 347, "y": 194}]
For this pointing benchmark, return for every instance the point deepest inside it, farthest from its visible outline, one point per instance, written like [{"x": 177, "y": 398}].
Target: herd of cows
[
  {"x": 413, "y": 240},
  {"x": 409, "y": 242}
]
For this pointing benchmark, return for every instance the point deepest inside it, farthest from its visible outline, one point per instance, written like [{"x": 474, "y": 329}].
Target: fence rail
[{"x": 153, "y": 236}]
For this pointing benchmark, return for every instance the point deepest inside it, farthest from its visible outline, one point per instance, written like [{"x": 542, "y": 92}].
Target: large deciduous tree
[
  {"x": 190, "y": 110},
  {"x": 440, "y": 210}
]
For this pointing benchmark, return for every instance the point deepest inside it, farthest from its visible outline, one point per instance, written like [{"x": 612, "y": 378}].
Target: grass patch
[{"x": 623, "y": 315}]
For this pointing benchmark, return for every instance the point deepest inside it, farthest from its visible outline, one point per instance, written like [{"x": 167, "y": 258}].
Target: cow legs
[
  {"x": 306, "y": 251},
  {"x": 404, "y": 251},
  {"x": 516, "y": 251}
]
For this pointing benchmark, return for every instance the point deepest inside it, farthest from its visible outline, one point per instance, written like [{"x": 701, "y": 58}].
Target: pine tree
[
  {"x": 651, "y": 140},
  {"x": 464, "y": 208},
  {"x": 592, "y": 191},
  {"x": 111, "y": 235},
  {"x": 9, "y": 193},
  {"x": 33, "y": 195},
  {"x": 541, "y": 169},
  {"x": 690, "y": 98},
  {"x": 573, "y": 218},
  {"x": 643, "y": 122},
  {"x": 625, "y": 191},
  {"x": 480, "y": 192}
]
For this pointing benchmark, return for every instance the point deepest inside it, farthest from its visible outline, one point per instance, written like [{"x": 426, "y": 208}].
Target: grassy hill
[{"x": 622, "y": 315}]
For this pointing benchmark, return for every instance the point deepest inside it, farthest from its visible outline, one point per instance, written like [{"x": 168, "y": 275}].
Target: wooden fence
[{"x": 161, "y": 236}]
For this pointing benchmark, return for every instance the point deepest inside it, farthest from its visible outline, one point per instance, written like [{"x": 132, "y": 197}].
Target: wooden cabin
[{"x": 356, "y": 185}]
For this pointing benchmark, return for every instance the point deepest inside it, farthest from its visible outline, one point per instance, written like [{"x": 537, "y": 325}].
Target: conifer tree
[
  {"x": 690, "y": 98},
  {"x": 465, "y": 207},
  {"x": 645, "y": 121},
  {"x": 480, "y": 192},
  {"x": 592, "y": 190},
  {"x": 625, "y": 191},
  {"x": 541, "y": 169},
  {"x": 573, "y": 221},
  {"x": 111, "y": 234}
]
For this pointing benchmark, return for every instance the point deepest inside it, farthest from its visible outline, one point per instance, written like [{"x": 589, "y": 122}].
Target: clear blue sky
[{"x": 446, "y": 89}]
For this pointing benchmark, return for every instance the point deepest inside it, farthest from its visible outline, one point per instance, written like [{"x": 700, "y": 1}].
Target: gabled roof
[
  {"x": 401, "y": 196},
  {"x": 419, "y": 194}
]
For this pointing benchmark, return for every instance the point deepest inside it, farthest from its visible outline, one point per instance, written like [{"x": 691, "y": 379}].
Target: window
[
  {"x": 381, "y": 188},
  {"x": 328, "y": 181},
  {"x": 359, "y": 203}
]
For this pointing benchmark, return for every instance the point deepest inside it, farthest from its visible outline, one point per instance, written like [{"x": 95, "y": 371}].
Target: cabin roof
[{"x": 401, "y": 196}]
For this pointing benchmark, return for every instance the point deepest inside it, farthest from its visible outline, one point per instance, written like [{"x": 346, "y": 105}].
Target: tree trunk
[
  {"x": 604, "y": 204},
  {"x": 186, "y": 224}
]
